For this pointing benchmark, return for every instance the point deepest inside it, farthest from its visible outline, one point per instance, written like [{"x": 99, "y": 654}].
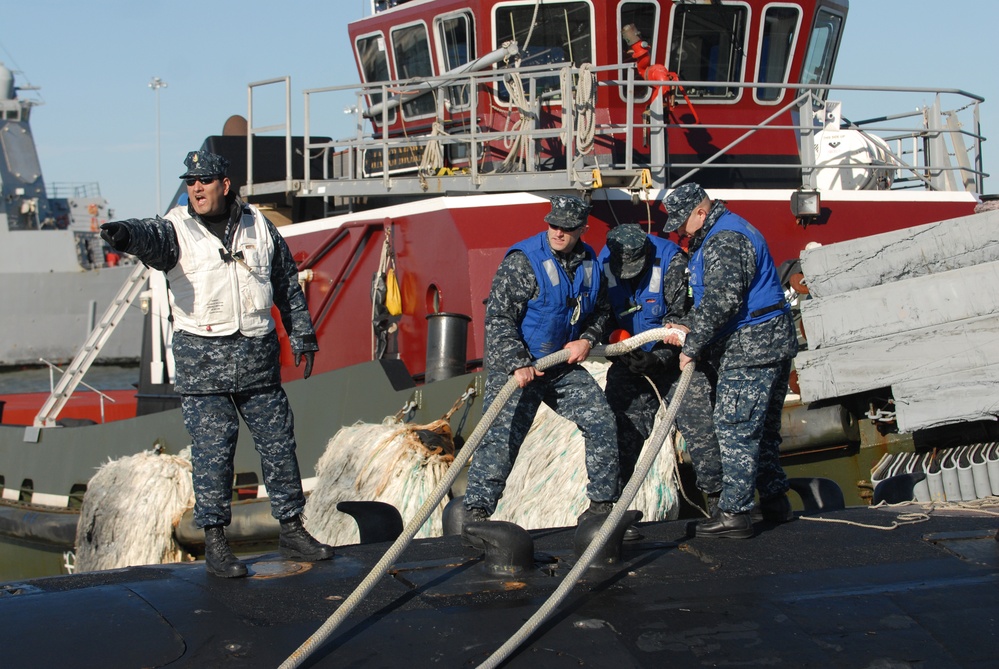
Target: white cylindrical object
[
  {"x": 992, "y": 466},
  {"x": 882, "y": 469},
  {"x": 965, "y": 478},
  {"x": 917, "y": 465},
  {"x": 980, "y": 472},
  {"x": 951, "y": 484}
]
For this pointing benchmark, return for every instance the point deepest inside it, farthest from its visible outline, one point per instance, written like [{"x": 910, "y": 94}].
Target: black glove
[
  {"x": 640, "y": 362},
  {"x": 116, "y": 234},
  {"x": 309, "y": 356}
]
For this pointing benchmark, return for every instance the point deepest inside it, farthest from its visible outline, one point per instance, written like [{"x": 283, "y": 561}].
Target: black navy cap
[
  {"x": 680, "y": 204},
  {"x": 628, "y": 247},
  {"x": 205, "y": 164},
  {"x": 568, "y": 212}
]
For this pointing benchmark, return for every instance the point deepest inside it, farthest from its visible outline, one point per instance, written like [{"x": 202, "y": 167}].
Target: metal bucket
[{"x": 447, "y": 341}]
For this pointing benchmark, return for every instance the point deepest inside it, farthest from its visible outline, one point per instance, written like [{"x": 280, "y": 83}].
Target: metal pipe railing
[{"x": 934, "y": 125}]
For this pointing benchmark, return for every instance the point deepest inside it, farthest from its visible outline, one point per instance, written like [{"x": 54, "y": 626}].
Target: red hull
[
  {"x": 21, "y": 408},
  {"x": 447, "y": 251}
]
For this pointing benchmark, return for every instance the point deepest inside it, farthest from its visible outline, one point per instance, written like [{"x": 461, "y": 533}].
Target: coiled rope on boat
[
  {"x": 584, "y": 105},
  {"x": 444, "y": 485},
  {"x": 130, "y": 509}
]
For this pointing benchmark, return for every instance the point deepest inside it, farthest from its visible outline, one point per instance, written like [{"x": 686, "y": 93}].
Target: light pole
[{"x": 156, "y": 84}]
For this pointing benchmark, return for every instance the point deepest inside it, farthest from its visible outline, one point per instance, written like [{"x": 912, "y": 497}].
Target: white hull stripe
[{"x": 62, "y": 501}]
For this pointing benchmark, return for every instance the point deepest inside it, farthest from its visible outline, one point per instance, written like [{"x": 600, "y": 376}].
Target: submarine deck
[{"x": 804, "y": 594}]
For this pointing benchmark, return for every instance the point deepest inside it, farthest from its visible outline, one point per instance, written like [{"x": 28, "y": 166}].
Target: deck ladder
[{"x": 92, "y": 347}]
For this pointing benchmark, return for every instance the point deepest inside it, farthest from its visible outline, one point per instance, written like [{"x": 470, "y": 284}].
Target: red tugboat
[
  {"x": 469, "y": 114},
  {"x": 479, "y": 109}
]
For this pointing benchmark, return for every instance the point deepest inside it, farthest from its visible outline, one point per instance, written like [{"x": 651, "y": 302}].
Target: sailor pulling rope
[{"x": 461, "y": 459}]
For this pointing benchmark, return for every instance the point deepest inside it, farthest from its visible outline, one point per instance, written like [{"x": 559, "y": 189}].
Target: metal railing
[
  {"x": 938, "y": 147},
  {"x": 64, "y": 189}
]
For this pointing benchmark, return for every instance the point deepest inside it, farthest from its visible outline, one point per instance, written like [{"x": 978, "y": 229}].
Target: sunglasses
[
  {"x": 204, "y": 180},
  {"x": 567, "y": 230}
]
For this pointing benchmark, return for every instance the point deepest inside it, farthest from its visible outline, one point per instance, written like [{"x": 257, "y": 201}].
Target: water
[
  {"x": 37, "y": 379},
  {"x": 21, "y": 560}
]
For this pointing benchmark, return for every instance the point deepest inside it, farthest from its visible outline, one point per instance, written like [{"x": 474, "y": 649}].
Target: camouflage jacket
[
  {"x": 514, "y": 285},
  {"x": 234, "y": 363},
  {"x": 729, "y": 267}
]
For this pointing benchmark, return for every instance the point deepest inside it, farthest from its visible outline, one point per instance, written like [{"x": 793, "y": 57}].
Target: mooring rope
[
  {"x": 981, "y": 506},
  {"x": 609, "y": 525},
  {"x": 444, "y": 485},
  {"x": 900, "y": 520}
]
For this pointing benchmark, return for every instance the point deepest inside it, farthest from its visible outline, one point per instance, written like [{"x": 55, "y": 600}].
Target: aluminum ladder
[{"x": 92, "y": 347}]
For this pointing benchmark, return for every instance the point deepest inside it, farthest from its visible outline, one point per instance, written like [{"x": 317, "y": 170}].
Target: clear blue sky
[{"x": 94, "y": 60}]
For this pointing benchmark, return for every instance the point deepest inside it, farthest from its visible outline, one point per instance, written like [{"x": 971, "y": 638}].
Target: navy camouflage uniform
[
  {"x": 568, "y": 389},
  {"x": 222, "y": 378},
  {"x": 629, "y": 388},
  {"x": 748, "y": 374}
]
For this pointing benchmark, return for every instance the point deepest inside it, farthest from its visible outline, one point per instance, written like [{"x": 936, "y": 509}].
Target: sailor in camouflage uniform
[
  {"x": 546, "y": 296},
  {"x": 740, "y": 328},
  {"x": 227, "y": 265},
  {"x": 646, "y": 281},
  {"x": 647, "y": 287}
]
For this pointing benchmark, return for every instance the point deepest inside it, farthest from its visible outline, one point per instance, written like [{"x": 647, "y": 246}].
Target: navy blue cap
[
  {"x": 628, "y": 247},
  {"x": 680, "y": 204},
  {"x": 568, "y": 212},
  {"x": 205, "y": 164}
]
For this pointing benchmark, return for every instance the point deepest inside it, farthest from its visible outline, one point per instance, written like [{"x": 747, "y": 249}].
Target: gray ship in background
[{"x": 56, "y": 272}]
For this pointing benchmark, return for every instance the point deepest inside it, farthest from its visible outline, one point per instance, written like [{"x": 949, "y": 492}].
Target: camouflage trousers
[
  {"x": 635, "y": 403},
  {"x": 743, "y": 454},
  {"x": 573, "y": 394},
  {"x": 213, "y": 423}
]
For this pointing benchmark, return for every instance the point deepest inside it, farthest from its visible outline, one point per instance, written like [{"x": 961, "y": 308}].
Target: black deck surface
[{"x": 803, "y": 594}]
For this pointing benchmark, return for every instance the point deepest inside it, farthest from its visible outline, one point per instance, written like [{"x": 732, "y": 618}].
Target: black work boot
[
  {"x": 476, "y": 515},
  {"x": 596, "y": 509},
  {"x": 728, "y": 525},
  {"x": 713, "y": 498},
  {"x": 776, "y": 509},
  {"x": 600, "y": 508},
  {"x": 219, "y": 560},
  {"x": 297, "y": 544}
]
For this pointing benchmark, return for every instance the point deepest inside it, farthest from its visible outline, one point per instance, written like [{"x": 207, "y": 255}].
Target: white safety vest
[{"x": 212, "y": 297}]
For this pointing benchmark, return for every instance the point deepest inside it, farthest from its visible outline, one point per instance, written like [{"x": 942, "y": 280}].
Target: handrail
[
  {"x": 482, "y": 137},
  {"x": 252, "y": 130},
  {"x": 336, "y": 282}
]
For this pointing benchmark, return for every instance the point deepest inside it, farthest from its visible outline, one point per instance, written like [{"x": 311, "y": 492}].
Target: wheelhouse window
[
  {"x": 644, "y": 19},
  {"x": 777, "y": 39},
  {"x": 456, "y": 40},
  {"x": 562, "y": 33},
  {"x": 411, "y": 50},
  {"x": 823, "y": 44},
  {"x": 373, "y": 58},
  {"x": 708, "y": 43}
]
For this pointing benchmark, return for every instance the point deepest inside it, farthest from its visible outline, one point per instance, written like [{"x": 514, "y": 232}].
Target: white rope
[
  {"x": 433, "y": 156},
  {"x": 981, "y": 506},
  {"x": 534, "y": 22},
  {"x": 444, "y": 485},
  {"x": 901, "y": 519},
  {"x": 516, "y": 142},
  {"x": 130, "y": 510},
  {"x": 609, "y": 525},
  {"x": 585, "y": 103}
]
